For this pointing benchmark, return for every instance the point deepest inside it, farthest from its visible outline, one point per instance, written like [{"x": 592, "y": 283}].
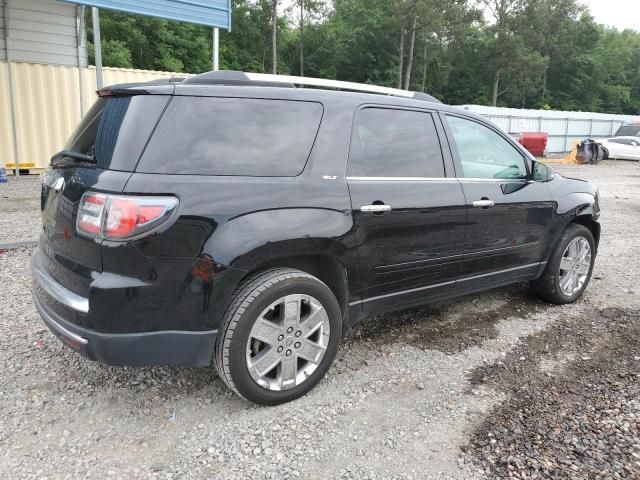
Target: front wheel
[
  {"x": 568, "y": 271},
  {"x": 279, "y": 336}
]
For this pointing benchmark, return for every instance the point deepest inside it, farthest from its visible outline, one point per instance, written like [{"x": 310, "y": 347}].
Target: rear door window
[
  {"x": 396, "y": 143},
  {"x": 116, "y": 129},
  {"x": 233, "y": 136}
]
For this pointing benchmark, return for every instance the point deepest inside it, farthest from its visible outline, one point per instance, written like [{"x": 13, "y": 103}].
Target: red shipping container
[{"x": 535, "y": 142}]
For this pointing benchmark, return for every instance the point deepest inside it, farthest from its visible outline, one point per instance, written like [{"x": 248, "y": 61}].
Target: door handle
[
  {"x": 376, "y": 208},
  {"x": 484, "y": 203}
]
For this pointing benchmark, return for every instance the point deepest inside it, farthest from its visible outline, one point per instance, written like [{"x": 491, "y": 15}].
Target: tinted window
[
  {"x": 628, "y": 131},
  {"x": 484, "y": 153},
  {"x": 397, "y": 143},
  {"x": 116, "y": 129},
  {"x": 233, "y": 136},
  {"x": 83, "y": 138}
]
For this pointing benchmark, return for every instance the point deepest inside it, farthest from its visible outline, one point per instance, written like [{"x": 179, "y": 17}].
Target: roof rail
[{"x": 265, "y": 79}]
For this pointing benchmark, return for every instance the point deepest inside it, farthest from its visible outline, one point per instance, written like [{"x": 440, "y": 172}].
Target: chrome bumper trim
[
  {"x": 59, "y": 328},
  {"x": 45, "y": 281}
]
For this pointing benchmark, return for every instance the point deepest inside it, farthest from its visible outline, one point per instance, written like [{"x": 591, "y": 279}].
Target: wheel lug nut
[
  {"x": 298, "y": 333},
  {"x": 280, "y": 349},
  {"x": 288, "y": 353},
  {"x": 280, "y": 338},
  {"x": 297, "y": 345},
  {"x": 290, "y": 329}
]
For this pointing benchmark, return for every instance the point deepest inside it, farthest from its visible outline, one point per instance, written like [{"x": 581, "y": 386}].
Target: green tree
[{"x": 529, "y": 53}]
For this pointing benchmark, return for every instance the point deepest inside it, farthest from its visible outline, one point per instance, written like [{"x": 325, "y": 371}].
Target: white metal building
[
  {"x": 45, "y": 82},
  {"x": 564, "y": 128},
  {"x": 42, "y": 31}
]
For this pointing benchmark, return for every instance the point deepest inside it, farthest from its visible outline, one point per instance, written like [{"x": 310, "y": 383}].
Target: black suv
[{"x": 236, "y": 219}]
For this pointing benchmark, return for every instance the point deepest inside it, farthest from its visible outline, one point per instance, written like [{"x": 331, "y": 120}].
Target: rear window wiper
[{"x": 75, "y": 155}]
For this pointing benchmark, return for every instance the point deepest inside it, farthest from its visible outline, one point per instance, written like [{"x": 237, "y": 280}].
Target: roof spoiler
[{"x": 138, "y": 88}]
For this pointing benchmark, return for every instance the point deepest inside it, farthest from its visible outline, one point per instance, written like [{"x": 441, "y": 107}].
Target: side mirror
[{"x": 542, "y": 172}]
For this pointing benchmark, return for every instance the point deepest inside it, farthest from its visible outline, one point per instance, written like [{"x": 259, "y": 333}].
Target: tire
[
  {"x": 261, "y": 301},
  {"x": 552, "y": 285}
]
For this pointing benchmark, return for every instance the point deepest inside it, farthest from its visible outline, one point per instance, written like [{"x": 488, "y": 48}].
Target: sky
[{"x": 616, "y": 13}]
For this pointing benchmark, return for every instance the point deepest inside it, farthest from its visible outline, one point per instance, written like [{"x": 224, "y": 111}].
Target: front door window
[{"x": 484, "y": 153}]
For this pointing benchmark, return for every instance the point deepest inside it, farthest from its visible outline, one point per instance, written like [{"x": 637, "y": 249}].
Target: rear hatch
[{"x": 100, "y": 156}]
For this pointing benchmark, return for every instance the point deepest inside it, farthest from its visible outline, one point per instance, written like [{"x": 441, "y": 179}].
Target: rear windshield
[
  {"x": 233, "y": 136},
  {"x": 116, "y": 129},
  {"x": 628, "y": 131}
]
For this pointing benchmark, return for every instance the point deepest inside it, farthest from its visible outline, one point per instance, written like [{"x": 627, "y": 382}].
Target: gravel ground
[
  {"x": 486, "y": 386},
  {"x": 19, "y": 206},
  {"x": 586, "y": 424}
]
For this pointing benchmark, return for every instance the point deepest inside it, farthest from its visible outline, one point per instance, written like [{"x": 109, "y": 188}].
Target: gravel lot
[
  {"x": 486, "y": 386},
  {"x": 19, "y": 207}
]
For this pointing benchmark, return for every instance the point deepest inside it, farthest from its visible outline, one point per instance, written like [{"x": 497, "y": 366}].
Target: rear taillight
[{"x": 122, "y": 217}]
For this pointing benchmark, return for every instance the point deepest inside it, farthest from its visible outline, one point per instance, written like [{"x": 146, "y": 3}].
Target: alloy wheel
[
  {"x": 287, "y": 342},
  {"x": 574, "y": 266}
]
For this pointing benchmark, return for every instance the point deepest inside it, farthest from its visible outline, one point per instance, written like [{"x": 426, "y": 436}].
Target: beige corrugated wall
[
  {"x": 6, "y": 138},
  {"x": 47, "y": 104}
]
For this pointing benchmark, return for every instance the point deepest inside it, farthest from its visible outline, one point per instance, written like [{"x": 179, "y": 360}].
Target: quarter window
[
  {"x": 397, "y": 143},
  {"x": 116, "y": 129},
  {"x": 233, "y": 136},
  {"x": 483, "y": 153}
]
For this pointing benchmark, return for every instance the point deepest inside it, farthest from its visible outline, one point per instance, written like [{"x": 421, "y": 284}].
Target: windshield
[{"x": 116, "y": 129}]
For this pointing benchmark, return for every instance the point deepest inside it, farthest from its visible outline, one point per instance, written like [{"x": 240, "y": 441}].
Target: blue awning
[{"x": 213, "y": 13}]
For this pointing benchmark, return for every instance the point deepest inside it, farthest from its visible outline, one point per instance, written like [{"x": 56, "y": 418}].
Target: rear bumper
[{"x": 169, "y": 348}]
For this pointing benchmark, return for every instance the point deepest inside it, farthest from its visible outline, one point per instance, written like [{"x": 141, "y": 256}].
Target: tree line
[{"x": 548, "y": 54}]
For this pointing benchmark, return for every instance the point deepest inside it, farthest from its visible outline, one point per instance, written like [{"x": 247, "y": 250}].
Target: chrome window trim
[
  {"x": 403, "y": 179},
  {"x": 493, "y": 180},
  {"x": 437, "y": 179}
]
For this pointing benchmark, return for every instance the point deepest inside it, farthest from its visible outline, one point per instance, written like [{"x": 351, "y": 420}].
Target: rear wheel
[
  {"x": 279, "y": 336},
  {"x": 568, "y": 271}
]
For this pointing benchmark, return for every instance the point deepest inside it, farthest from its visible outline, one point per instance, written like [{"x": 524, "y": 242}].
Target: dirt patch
[
  {"x": 451, "y": 326},
  {"x": 573, "y": 408}
]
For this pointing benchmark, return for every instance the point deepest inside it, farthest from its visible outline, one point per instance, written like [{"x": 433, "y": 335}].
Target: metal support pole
[
  {"x": 216, "y": 49},
  {"x": 97, "y": 47},
  {"x": 79, "y": 34},
  {"x": 14, "y": 123}
]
